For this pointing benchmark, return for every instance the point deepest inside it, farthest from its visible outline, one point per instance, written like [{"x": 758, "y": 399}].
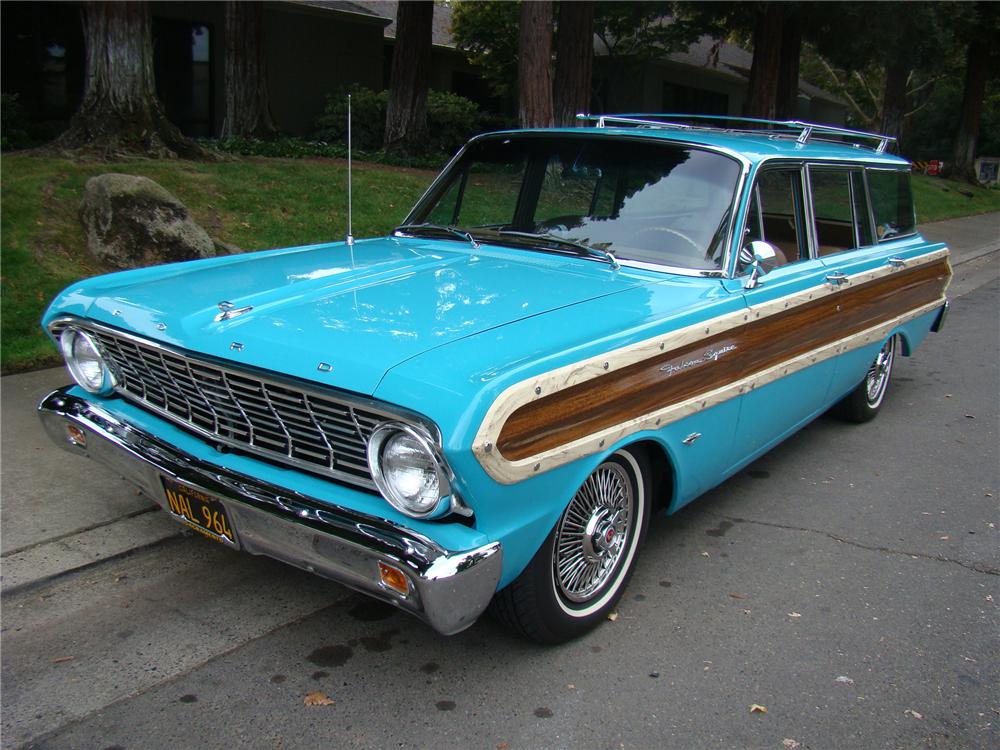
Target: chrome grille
[{"x": 278, "y": 420}]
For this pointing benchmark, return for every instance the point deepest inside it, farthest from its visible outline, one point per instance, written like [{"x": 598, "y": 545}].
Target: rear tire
[
  {"x": 864, "y": 402},
  {"x": 581, "y": 570}
]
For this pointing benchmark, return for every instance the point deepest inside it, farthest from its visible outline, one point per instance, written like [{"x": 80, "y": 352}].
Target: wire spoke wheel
[
  {"x": 877, "y": 379},
  {"x": 593, "y": 533}
]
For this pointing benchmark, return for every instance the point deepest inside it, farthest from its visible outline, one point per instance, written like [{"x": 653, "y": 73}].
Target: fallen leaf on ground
[
  {"x": 62, "y": 659},
  {"x": 502, "y": 746},
  {"x": 794, "y": 615},
  {"x": 571, "y": 686},
  {"x": 613, "y": 616},
  {"x": 705, "y": 554},
  {"x": 944, "y": 538},
  {"x": 844, "y": 679},
  {"x": 746, "y": 611},
  {"x": 790, "y": 744},
  {"x": 915, "y": 714},
  {"x": 317, "y": 699},
  {"x": 737, "y": 596},
  {"x": 756, "y": 708}
]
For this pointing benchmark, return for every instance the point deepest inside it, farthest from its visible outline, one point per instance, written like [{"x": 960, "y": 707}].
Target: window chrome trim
[{"x": 265, "y": 376}]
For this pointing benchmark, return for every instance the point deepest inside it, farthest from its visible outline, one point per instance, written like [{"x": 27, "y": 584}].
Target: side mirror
[{"x": 752, "y": 258}]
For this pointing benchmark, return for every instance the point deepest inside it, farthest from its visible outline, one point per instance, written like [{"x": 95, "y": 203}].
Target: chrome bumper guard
[{"x": 448, "y": 590}]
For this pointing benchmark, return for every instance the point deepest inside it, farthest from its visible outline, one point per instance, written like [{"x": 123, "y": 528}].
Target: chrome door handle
[
  {"x": 896, "y": 262},
  {"x": 837, "y": 278}
]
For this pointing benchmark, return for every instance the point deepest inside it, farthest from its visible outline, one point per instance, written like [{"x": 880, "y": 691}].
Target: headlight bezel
[
  {"x": 380, "y": 437},
  {"x": 68, "y": 340}
]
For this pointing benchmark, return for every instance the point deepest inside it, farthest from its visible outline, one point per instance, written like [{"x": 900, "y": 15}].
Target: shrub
[
  {"x": 451, "y": 120},
  {"x": 367, "y": 118},
  {"x": 15, "y": 129}
]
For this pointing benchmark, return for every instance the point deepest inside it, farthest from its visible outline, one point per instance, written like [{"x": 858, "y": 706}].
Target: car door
[
  {"x": 784, "y": 387},
  {"x": 858, "y": 239}
]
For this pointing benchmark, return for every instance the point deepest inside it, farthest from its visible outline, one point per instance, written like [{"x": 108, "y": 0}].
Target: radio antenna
[{"x": 350, "y": 236}]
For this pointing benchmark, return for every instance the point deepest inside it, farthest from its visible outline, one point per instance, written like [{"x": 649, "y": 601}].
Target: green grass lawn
[
  {"x": 938, "y": 199},
  {"x": 253, "y": 203}
]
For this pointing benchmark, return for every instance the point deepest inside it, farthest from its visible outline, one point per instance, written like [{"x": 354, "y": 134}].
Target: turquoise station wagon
[{"x": 572, "y": 330}]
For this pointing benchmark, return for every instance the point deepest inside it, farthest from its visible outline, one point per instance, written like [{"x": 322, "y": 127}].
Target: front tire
[
  {"x": 581, "y": 570},
  {"x": 864, "y": 402}
]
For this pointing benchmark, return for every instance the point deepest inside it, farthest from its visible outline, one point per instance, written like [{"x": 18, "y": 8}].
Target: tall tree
[
  {"x": 574, "y": 61},
  {"x": 120, "y": 113},
  {"x": 487, "y": 31},
  {"x": 886, "y": 56},
  {"x": 765, "y": 71},
  {"x": 981, "y": 60},
  {"x": 787, "y": 90},
  {"x": 248, "y": 107},
  {"x": 534, "y": 75},
  {"x": 406, "y": 116}
]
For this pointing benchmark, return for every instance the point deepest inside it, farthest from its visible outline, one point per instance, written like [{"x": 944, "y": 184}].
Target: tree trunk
[
  {"x": 787, "y": 104},
  {"x": 764, "y": 71},
  {"x": 406, "y": 115},
  {"x": 120, "y": 113},
  {"x": 534, "y": 58},
  {"x": 894, "y": 103},
  {"x": 248, "y": 107},
  {"x": 574, "y": 61},
  {"x": 976, "y": 68}
]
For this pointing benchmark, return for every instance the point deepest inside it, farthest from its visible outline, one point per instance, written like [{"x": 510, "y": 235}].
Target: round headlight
[
  {"x": 85, "y": 363},
  {"x": 407, "y": 470}
]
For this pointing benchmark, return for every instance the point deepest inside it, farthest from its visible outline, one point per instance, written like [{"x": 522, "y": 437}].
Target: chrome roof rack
[{"x": 801, "y": 131}]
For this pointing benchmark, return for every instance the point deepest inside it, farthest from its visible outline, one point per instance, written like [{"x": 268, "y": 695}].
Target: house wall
[
  {"x": 310, "y": 55},
  {"x": 825, "y": 112},
  {"x": 213, "y": 16},
  {"x": 705, "y": 79}
]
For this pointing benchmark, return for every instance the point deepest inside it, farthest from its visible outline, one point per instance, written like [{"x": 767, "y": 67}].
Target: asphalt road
[{"x": 848, "y": 581}]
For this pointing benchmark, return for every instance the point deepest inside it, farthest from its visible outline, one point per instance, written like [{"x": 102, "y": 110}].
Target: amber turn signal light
[
  {"x": 394, "y": 578},
  {"x": 76, "y": 435}
]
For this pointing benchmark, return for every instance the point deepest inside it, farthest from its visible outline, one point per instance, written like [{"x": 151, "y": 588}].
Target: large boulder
[{"x": 132, "y": 221}]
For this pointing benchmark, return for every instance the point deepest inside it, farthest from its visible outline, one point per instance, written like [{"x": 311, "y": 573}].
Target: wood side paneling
[{"x": 680, "y": 374}]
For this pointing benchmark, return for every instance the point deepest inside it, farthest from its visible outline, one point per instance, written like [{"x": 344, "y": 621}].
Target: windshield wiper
[
  {"x": 604, "y": 253},
  {"x": 411, "y": 228}
]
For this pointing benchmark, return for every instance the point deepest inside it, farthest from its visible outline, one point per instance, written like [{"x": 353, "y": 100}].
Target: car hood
[{"x": 360, "y": 309}]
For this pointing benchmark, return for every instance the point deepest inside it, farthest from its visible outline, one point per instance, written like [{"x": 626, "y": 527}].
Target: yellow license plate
[{"x": 196, "y": 510}]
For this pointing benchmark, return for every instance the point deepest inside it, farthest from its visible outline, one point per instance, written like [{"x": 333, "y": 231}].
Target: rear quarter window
[{"x": 892, "y": 203}]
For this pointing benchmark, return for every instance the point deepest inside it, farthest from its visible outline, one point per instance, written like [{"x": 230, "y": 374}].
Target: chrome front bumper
[{"x": 448, "y": 589}]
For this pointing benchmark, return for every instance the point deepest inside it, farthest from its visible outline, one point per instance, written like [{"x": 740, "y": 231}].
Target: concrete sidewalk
[{"x": 60, "y": 513}]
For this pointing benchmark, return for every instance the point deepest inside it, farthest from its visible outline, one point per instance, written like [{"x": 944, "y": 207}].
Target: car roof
[{"x": 754, "y": 146}]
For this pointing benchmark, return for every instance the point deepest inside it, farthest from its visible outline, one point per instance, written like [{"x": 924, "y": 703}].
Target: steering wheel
[{"x": 668, "y": 230}]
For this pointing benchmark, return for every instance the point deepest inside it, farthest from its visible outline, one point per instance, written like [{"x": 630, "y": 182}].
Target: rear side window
[
  {"x": 833, "y": 210},
  {"x": 892, "y": 203}
]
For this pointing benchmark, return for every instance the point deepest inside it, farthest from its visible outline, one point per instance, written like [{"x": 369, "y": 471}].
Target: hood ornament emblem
[{"x": 228, "y": 310}]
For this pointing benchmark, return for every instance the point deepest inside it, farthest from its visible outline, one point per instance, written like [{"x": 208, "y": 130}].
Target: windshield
[{"x": 641, "y": 200}]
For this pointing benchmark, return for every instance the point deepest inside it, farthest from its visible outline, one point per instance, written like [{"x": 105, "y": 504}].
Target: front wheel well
[{"x": 661, "y": 470}]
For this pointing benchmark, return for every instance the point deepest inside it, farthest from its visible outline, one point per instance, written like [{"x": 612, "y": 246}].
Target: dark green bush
[
  {"x": 367, "y": 118},
  {"x": 285, "y": 147},
  {"x": 451, "y": 120},
  {"x": 301, "y": 148},
  {"x": 15, "y": 128}
]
